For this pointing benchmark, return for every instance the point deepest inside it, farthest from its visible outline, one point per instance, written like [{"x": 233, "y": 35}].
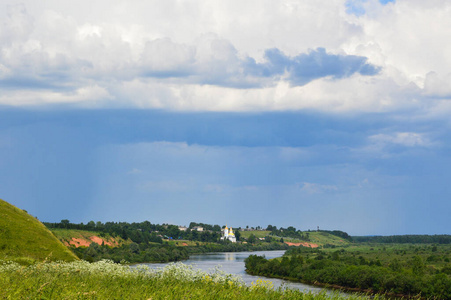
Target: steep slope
[{"x": 24, "y": 239}]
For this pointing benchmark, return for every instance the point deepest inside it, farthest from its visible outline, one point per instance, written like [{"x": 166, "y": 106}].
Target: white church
[{"x": 229, "y": 235}]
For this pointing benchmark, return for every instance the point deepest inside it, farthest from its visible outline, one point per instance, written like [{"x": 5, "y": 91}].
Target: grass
[
  {"x": 25, "y": 240},
  {"x": 257, "y": 233},
  {"x": 187, "y": 242},
  {"x": 320, "y": 238},
  {"x": 386, "y": 253},
  {"x": 324, "y": 238},
  {"x": 106, "y": 280}
]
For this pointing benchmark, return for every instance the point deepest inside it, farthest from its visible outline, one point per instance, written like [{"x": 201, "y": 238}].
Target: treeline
[
  {"x": 291, "y": 232},
  {"x": 134, "y": 253},
  {"x": 411, "y": 277},
  {"x": 405, "y": 239},
  {"x": 209, "y": 227},
  {"x": 339, "y": 233},
  {"x": 144, "y": 232},
  {"x": 236, "y": 247}
]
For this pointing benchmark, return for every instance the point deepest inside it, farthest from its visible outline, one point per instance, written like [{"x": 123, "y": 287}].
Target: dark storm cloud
[{"x": 315, "y": 64}]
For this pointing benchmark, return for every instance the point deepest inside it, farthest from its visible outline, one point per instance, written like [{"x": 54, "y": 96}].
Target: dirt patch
[
  {"x": 184, "y": 244},
  {"x": 311, "y": 245},
  {"x": 83, "y": 242},
  {"x": 99, "y": 241},
  {"x": 78, "y": 242}
]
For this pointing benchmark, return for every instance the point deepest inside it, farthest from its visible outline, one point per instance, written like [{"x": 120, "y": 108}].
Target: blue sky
[{"x": 254, "y": 113}]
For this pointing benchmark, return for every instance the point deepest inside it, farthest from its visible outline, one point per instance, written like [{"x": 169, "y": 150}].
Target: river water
[{"x": 233, "y": 263}]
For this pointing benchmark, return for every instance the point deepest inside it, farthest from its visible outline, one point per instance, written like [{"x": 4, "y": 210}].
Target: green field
[
  {"x": 24, "y": 239},
  {"x": 324, "y": 238},
  {"x": 319, "y": 238},
  {"x": 256, "y": 233},
  {"x": 399, "y": 269}
]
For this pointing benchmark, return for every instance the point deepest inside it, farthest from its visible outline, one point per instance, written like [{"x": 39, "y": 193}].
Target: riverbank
[
  {"x": 106, "y": 280},
  {"x": 150, "y": 253}
]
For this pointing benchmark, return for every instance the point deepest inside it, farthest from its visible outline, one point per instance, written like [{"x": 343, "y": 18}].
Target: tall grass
[{"x": 106, "y": 280}]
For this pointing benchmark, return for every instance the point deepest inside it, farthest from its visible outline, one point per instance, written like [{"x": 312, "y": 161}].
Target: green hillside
[
  {"x": 24, "y": 239},
  {"x": 324, "y": 238},
  {"x": 320, "y": 238}
]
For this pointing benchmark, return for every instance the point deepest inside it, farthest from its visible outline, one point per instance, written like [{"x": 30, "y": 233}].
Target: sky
[{"x": 245, "y": 113}]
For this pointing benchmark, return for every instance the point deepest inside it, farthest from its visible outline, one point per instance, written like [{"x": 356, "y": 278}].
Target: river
[{"x": 233, "y": 263}]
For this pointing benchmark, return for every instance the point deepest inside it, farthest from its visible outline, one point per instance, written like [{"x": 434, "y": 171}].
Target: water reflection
[{"x": 229, "y": 256}]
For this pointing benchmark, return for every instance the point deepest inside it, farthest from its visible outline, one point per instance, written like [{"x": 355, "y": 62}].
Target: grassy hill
[
  {"x": 323, "y": 238},
  {"x": 319, "y": 238},
  {"x": 25, "y": 240}
]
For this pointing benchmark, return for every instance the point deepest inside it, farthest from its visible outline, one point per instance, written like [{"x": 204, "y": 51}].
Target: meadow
[{"x": 107, "y": 280}]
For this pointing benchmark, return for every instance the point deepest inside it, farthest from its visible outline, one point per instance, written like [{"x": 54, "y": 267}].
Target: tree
[
  {"x": 418, "y": 266},
  {"x": 237, "y": 235},
  {"x": 251, "y": 239},
  {"x": 271, "y": 228},
  {"x": 91, "y": 225},
  {"x": 134, "y": 248},
  {"x": 65, "y": 223}
]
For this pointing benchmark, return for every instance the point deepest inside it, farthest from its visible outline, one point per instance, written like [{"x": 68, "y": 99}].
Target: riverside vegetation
[
  {"x": 397, "y": 269},
  {"x": 107, "y": 280},
  {"x": 147, "y": 242}
]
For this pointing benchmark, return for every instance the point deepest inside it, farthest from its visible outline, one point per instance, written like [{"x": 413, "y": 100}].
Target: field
[
  {"x": 318, "y": 238},
  {"x": 105, "y": 280},
  {"x": 398, "y": 269},
  {"x": 256, "y": 233},
  {"x": 435, "y": 257},
  {"x": 324, "y": 238}
]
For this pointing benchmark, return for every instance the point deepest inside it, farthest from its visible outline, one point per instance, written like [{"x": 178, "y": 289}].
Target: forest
[{"x": 144, "y": 232}]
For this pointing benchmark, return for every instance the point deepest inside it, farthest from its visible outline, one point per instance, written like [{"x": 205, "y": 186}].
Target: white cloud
[
  {"x": 87, "y": 96},
  {"x": 406, "y": 139},
  {"x": 197, "y": 56},
  {"x": 437, "y": 86},
  {"x": 410, "y": 36}
]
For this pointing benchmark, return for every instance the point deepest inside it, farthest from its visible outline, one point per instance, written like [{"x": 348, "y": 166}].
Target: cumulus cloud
[
  {"x": 437, "y": 86},
  {"x": 261, "y": 55}
]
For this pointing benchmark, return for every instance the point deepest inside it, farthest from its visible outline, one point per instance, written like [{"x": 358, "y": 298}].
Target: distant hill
[
  {"x": 310, "y": 238},
  {"x": 26, "y": 240}
]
